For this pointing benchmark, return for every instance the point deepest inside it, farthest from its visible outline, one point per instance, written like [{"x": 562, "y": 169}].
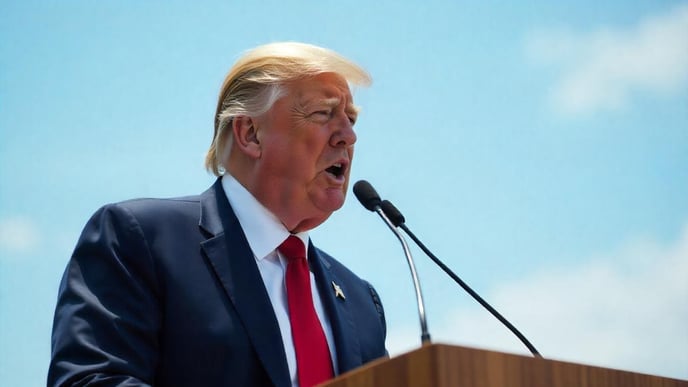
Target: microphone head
[
  {"x": 366, "y": 194},
  {"x": 392, "y": 213}
]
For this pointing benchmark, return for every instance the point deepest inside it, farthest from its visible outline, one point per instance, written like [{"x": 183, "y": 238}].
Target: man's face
[{"x": 307, "y": 144}]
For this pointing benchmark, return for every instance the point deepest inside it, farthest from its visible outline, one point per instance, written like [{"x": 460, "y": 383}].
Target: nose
[{"x": 344, "y": 135}]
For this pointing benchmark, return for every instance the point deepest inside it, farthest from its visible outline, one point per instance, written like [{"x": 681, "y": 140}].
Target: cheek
[
  {"x": 288, "y": 157},
  {"x": 310, "y": 146}
]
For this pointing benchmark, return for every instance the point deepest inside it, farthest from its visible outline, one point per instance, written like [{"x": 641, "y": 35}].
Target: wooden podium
[{"x": 437, "y": 365}]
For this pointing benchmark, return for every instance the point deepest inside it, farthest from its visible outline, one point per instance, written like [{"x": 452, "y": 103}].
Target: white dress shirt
[{"x": 265, "y": 233}]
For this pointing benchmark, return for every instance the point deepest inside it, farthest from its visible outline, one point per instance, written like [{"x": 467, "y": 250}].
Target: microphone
[
  {"x": 398, "y": 220},
  {"x": 392, "y": 213},
  {"x": 366, "y": 194}
]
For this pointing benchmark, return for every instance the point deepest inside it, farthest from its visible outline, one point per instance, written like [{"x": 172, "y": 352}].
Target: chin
[
  {"x": 331, "y": 207},
  {"x": 330, "y": 202}
]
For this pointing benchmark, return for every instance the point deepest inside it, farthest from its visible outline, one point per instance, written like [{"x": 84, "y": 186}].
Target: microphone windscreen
[
  {"x": 366, "y": 194},
  {"x": 392, "y": 213}
]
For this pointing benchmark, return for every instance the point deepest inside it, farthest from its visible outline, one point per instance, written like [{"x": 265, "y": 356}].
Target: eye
[
  {"x": 352, "y": 119},
  {"x": 325, "y": 113}
]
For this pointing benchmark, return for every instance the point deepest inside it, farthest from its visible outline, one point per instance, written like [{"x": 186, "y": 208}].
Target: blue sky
[{"x": 539, "y": 148}]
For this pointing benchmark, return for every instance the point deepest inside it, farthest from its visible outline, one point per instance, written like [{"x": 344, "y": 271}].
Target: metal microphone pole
[{"x": 425, "y": 335}]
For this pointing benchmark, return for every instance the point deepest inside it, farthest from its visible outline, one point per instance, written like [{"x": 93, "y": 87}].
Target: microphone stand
[
  {"x": 397, "y": 220},
  {"x": 424, "y": 336}
]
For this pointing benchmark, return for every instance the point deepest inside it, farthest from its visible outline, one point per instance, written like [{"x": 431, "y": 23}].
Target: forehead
[{"x": 323, "y": 86}]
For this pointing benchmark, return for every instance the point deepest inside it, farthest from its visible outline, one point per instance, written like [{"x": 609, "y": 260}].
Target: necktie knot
[{"x": 292, "y": 248}]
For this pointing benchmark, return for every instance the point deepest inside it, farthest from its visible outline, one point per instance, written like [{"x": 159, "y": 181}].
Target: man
[{"x": 201, "y": 290}]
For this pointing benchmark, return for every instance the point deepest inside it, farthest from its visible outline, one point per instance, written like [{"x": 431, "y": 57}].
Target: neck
[{"x": 288, "y": 212}]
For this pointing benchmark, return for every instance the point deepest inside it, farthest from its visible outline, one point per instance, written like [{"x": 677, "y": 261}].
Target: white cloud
[
  {"x": 626, "y": 309},
  {"x": 600, "y": 71},
  {"x": 18, "y": 235}
]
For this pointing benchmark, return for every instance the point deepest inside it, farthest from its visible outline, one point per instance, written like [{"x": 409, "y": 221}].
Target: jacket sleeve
[{"x": 108, "y": 311}]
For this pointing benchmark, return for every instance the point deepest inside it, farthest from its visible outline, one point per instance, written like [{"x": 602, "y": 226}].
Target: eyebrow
[{"x": 334, "y": 101}]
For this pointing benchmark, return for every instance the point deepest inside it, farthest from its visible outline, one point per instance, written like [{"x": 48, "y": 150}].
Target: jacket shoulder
[{"x": 146, "y": 210}]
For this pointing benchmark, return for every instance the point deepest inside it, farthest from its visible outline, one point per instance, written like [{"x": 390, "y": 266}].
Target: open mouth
[{"x": 337, "y": 170}]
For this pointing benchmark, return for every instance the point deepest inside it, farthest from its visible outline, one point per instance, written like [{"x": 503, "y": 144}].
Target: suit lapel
[
  {"x": 338, "y": 310},
  {"x": 230, "y": 256}
]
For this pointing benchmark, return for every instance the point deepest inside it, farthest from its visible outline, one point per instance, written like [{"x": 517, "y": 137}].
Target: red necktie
[{"x": 313, "y": 364}]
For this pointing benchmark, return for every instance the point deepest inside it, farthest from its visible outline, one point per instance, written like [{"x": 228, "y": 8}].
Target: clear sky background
[{"x": 539, "y": 148}]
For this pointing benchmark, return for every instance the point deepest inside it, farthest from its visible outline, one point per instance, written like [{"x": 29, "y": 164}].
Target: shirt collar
[{"x": 263, "y": 230}]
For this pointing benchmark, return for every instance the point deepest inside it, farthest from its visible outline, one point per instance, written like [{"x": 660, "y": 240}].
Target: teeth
[{"x": 338, "y": 165}]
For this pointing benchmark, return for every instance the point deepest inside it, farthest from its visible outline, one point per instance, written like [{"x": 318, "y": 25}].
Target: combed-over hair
[{"x": 256, "y": 81}]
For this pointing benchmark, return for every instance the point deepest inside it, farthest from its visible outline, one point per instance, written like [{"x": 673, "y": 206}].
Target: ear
[{"x": 246, "y": 136}]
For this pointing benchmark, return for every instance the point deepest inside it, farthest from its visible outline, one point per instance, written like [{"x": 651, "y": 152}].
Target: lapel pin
[{"x": 338, "y": 291}]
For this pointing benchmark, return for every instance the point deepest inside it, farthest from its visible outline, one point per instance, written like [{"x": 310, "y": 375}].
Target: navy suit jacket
[{"x": 166, "y": 292}]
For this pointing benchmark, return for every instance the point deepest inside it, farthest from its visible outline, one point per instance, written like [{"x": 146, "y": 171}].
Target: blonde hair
[{"x": 256, "y": 81}]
